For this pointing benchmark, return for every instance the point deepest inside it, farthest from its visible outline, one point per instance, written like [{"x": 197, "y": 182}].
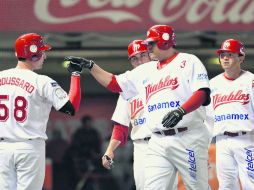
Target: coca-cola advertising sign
[{"x": 126, "y": 15}]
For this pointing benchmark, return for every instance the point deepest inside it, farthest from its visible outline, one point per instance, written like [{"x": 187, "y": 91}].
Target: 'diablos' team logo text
[
  {"x": 167, "y": 82},
  {"x": 235, "y": 96}
]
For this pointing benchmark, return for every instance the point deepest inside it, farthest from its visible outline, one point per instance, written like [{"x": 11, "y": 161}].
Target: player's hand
[
  {"x": 107, "y": 162},
  {"x": 85, "y": 63},
  {"x": 74, "y": 68},
  {"x": 173, "y": 117}
]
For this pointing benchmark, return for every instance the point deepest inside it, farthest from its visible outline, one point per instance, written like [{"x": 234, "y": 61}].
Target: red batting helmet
[
  {"x": 135, "y": 47},
  {"x": 30, "y": 46},
  {"x": 164, "y": 35},
  {"x": 232, "y": 45}
]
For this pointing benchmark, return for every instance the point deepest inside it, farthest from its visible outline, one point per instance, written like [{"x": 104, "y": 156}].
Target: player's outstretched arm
[
  {"x": 102, "y": 76},
  {"x": 72, "y": 106}
]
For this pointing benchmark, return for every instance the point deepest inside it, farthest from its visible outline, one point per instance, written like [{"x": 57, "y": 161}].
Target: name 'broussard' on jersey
[{"x": 22, "y": 92}]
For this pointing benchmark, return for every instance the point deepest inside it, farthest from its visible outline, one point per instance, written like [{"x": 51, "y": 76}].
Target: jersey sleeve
[
  {"x": 121, "y": 114},
  {"x": 127, "y": 83},
  {"x": 132, "y": 82},
  {"x": 52, "y": 92},
  {"x": 198, "y": 77}
]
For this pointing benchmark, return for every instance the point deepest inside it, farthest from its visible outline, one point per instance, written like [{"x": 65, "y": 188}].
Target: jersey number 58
[{"x": 19, "y": 111}]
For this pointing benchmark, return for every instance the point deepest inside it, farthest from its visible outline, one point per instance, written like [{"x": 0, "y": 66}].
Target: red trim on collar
[
  {"x": 228, "y": 78},
  {"x": 166, "y": 61}
]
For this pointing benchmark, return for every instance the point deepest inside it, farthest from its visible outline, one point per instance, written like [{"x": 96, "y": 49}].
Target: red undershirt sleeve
[
  {"x": 75, "y": 92},
  {"x": 113, "y": 86},
  {"x": 195, "y": 101},
  {"x": 120, "y": 133}
]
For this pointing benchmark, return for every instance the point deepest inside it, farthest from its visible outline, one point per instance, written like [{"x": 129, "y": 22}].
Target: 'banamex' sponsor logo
[
  {"x": 167, "y": 82},
  {"x": 235, "y": 96},
  {"x": 188, "y": 12}
]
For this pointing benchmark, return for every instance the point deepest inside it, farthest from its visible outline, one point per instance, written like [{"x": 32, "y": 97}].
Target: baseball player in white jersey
[
  {"x": 127, "y": 112},
  {"x": 232, "y": 97},
  {"x": 172, "y": 90},
  {"x": 26, "y": 99}
]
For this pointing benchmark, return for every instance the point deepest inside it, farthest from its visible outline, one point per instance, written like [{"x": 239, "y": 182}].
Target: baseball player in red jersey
[
  {"x": 232, "y": 95},
  {"x": 26, "y": 99},
  {"x": 173, "y": 90}
]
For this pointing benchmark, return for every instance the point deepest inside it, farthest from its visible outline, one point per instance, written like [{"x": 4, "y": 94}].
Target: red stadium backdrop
[{"x": 123, "y": 15}]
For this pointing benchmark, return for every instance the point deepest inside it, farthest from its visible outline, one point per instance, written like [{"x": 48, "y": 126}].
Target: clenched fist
[{"x": 107, "y": 162}]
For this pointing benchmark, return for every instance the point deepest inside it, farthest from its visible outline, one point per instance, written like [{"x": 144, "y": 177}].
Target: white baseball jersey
[
  {"x": 166, "y": 89},
  {"x": 232, "y": 103},
  {"x": 26, "y": 99},
  {"x": 132, "y": 111}
]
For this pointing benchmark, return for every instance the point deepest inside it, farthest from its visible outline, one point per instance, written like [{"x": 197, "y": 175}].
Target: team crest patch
[
  {"x": 54, "y": 84},
  {"x": 60, "y": 93}
]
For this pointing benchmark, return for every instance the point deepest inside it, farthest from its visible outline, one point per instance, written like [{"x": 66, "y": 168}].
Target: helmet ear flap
[
  {"x": 36, "y": 57},
  {"x": 163, "y": 45}
]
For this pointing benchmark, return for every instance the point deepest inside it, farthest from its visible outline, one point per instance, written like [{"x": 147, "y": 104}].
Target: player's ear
[{"x": 241, "y": 59}]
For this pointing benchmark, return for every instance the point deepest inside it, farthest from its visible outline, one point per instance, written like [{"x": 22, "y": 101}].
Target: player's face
[
  {"x": 153, "y": 50},
  {"x": 230, "y": 61},
  {"x": 156, "y": 53},
  {"x": 139, "y": 59},
  {"x": 38, "y": 64}
]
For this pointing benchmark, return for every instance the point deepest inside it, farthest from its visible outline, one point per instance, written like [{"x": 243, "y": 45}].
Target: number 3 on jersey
[{"x": 19, "y": 112}]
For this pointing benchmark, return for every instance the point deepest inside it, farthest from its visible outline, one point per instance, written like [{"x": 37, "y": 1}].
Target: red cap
[
  {"x": 232, "y": 45},
  {"x": 135, "y": 47}
]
